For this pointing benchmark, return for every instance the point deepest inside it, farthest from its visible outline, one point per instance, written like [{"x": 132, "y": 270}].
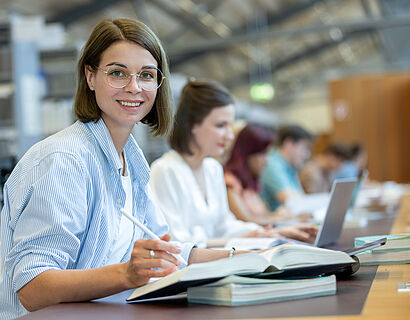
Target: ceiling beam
[
  {"x": 295, "y": 58},
  {"x": 251, "y": 26},
  {"x": 214, "y": 45},
  {"x": 180, "y": 16},
  {"x": 70, "y": 16},
  {"x": 192, "y": 22}
]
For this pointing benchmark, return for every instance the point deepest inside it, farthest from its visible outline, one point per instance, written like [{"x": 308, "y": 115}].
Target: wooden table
[{"x": 369, "y": 294}]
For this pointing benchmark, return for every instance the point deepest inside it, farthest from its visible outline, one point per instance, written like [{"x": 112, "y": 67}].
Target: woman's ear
[
  {"x": 194, "y": 128},
  {"x": 90, "y": 76}
]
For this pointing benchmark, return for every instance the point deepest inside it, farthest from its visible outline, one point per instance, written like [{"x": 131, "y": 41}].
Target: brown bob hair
[
  {"x": 197, "y": 100},
  {"x": 102, "y": 37}
]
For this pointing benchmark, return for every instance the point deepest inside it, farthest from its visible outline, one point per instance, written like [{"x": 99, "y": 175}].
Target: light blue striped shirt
[{"x": 61, "y": 208}]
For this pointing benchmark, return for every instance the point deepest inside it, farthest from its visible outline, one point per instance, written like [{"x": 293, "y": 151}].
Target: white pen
[{"x": 149, "y": 232}]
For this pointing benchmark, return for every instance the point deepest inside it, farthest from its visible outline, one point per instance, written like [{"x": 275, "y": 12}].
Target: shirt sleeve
[
  {"x": 48, "y": 215},
  {"x": 229, "y": 226}
]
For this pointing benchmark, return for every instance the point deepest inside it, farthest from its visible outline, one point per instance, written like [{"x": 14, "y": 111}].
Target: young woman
[
  {"x": 242, "y": 172},
  {"x": 62, "y": 236},
  {"x": 188, "y": 183}
]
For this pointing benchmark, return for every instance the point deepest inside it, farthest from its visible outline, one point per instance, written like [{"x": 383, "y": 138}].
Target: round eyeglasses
[{"x": 149, "y": 79}]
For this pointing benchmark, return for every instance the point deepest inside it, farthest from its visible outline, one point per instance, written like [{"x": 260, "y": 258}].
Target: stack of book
[
  {"x": 238, "y": 290},
  {"x": 396, "y": 250},
  {"x": 281, "y": 273}
]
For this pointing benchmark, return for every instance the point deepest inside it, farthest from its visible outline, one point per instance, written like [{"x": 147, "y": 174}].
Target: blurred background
[{"x": 340, "y": 68}]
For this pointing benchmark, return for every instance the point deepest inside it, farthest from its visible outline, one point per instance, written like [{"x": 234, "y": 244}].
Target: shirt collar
[{"x": 138, "y": 166}]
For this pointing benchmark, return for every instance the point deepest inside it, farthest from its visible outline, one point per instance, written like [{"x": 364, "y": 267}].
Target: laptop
[
  {"x": 360, "y": 179},
  {"x": 340, "y": 199},
  {"x": 330, "y": 230}
]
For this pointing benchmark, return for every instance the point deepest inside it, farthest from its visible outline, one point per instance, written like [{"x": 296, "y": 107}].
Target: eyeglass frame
[{"x": 138, "y": 75}]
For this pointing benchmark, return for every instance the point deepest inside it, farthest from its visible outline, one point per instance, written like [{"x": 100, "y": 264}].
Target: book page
[
  {"x": 245, "y": 263},
  {"x": 252, "y": 243},
  {"x": 294, "y": 255}
]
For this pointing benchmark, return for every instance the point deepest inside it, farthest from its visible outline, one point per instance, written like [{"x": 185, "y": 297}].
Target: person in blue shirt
[
  {"x": 280, "y": 179},
  {"x": 62, "y": 236},
  {"x": 352, "y": 168}
]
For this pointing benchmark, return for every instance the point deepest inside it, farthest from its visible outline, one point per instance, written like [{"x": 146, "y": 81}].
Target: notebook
[{"x": 340, "y": 199}]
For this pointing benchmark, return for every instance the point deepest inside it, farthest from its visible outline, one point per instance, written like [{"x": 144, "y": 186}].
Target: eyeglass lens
[{"x": 148, "y": 79}]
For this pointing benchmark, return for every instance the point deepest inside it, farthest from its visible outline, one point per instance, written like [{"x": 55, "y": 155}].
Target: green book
[
  {"x": 395, "y": 242},
  {"x": 396, "y": 250},
  {"x": 239, "y": 290}
]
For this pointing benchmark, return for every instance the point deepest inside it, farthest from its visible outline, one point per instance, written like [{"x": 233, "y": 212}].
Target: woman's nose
[{"x": 133, "y": 85}]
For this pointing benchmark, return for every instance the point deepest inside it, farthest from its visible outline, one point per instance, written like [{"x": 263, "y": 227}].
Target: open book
[
  {"x": 240, "y": 290},
  {"x": 296, "y": 261}
]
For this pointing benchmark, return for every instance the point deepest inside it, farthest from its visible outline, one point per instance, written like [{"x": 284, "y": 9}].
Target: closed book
[
  {"x": 396, "y": 250},
  {"x": 376, "y": 258},
  {"x": 287, "y": 261},
  {"x": 239, "y": 290},
  {"x": 395, "y": 242}
]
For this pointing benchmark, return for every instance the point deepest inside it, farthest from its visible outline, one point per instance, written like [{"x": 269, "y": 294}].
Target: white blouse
[{"x": 189, "y": 216}]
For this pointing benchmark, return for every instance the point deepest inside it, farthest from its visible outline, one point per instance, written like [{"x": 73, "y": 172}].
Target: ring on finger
[{"x": 152, "y": 253}]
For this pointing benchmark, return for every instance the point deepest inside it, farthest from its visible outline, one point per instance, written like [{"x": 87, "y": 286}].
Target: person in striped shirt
[{"x": 62, "y": 236}]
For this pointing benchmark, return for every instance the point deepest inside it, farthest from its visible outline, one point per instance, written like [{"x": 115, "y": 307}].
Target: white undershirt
[{"x": 125, "y": 233}]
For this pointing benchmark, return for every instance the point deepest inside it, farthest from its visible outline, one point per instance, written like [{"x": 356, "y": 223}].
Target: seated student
[
  {"x": 242, "y": 171},
  {"x": 62, "y": 236},
  {"x": 280, "y": 177},
  {"x": 316, "y": 175},
  {"x": 188, "y": 184},
  {"x": 352, "y": 167}
]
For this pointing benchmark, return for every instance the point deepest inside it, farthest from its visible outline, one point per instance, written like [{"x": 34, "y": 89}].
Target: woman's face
[
  {"x": 257, "y": 162},
  {"x": 122, "y": 108},
  {"x": 211, "y": 136}
]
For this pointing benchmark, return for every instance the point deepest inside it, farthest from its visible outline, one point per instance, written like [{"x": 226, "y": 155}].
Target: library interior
[{"x": 259, "y": 144}]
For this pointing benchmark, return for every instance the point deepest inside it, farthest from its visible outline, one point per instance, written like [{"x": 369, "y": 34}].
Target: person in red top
[{"x": 242, "y": 171}]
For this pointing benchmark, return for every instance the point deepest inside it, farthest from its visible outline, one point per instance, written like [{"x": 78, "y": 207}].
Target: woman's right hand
[
  {"x": 151, "y": 259},
  {"x": 266, "y": 232},
  {"x": 282, "y": 213}
]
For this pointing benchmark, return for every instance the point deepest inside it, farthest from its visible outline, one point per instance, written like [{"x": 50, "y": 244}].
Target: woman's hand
[
  {"x": 151, "y": 259},
  {"x": 304, "y": 217},
  {"x": 266, "y": 232},
  {"x": 282, "y": 213},
  {"x": 301, "y": 232}
]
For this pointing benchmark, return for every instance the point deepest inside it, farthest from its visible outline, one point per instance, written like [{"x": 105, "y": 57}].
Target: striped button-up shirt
[{"x": 61, "y": 208}]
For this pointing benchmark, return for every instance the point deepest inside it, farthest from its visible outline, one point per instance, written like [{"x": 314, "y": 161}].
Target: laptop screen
[{"x": 340, "y": 198}]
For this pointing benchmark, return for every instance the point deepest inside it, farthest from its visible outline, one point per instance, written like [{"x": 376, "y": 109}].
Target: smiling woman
[
  {"x": 64, "y": 196},
  {"x": 62, "y": 236}
]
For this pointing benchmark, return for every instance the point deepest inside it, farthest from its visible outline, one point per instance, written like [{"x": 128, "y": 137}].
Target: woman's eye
[
  {"x": 117, "y": 74},
  {"x": 147, "y": 76}
]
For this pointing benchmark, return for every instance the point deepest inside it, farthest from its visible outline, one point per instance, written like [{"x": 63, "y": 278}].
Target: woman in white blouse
[{"x": 188, "y": 183}]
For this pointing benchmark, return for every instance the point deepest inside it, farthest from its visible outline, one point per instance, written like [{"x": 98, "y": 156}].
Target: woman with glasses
[
  {"x": 188, "y": 184},
  {"x": 62, "y": 235}
]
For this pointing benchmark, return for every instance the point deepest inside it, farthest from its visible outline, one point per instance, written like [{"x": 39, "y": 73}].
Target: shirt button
[{"x": 118, "y": 200}]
